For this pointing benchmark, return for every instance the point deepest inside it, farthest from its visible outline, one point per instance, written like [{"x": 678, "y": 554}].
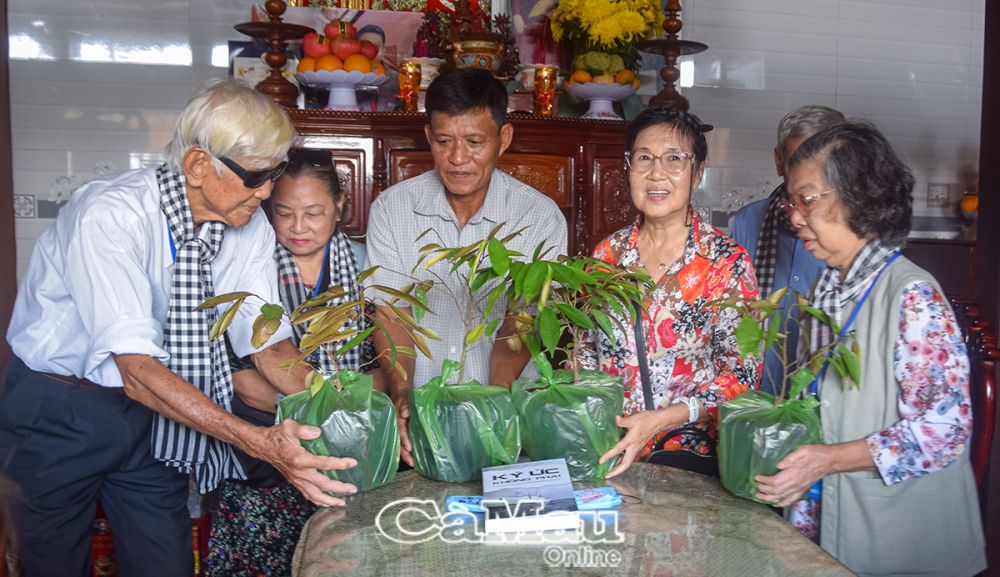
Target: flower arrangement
[{"x": 611, "y": 26}]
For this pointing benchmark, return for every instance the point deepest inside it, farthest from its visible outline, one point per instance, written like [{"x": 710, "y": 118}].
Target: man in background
[{"x": 764, "y": 229}]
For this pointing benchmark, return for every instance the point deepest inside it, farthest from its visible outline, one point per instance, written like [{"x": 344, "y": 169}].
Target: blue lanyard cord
[
  {"x": 814, "y": 387},
  {"x": 816, "y": 490},
  {"x": 173, "y": 247}
]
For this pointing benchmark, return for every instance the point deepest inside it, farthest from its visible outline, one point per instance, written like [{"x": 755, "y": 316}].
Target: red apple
[
  {"x": 336, "y": 29},
  {"x": 344, "y": 47},
  {"x": 315, "y": 45},
  {"x": 369, "y": 49}
]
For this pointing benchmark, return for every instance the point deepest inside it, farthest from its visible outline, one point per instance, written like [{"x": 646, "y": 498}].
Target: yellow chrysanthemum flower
[{"x": 606, "y": 22}]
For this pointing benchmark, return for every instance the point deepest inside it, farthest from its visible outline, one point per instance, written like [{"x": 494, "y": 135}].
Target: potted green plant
[
  {"x": 356, "y": 420},
  {"x": 756, "y": 429},
  {"x": 457, "y": 425},
  {"x": 570, "y": 413}
]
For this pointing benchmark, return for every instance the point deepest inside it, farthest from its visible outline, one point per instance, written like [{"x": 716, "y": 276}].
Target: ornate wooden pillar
[
  {"x": 276, "y": 33},
  {"x": 671, "y": 47}
]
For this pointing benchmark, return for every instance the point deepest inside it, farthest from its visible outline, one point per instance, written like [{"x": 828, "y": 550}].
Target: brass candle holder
[
  {"x": 545, "y": 90},
  {"x": 409, "y": 86}
]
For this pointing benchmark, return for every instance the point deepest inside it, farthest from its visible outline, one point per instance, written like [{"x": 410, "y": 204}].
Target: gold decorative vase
[{"x": 487, "y": 54}]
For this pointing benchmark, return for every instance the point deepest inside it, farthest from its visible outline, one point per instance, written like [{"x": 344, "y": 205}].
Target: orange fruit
[
  {"x": 581, "y": 76},
  {"x": 329, "y": 62},
  {"x": 969, "y": 204},
  {"x": 624, "y": 76},
  {"x": 307, "y": 64},
  {"x": 377, "y": 67},
  {"x": 357, "y": 62},
  {"x": 635, "y": 83}
]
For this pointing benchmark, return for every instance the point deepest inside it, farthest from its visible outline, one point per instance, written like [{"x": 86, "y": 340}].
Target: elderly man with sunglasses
[{"x": 116, "y": 391}]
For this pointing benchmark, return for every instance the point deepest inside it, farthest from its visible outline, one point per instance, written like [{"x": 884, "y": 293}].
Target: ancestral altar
[{"x": 580, "y": 164}]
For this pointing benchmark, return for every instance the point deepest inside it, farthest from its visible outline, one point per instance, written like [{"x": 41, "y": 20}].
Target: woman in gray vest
[{"x": 891, "y": 487}]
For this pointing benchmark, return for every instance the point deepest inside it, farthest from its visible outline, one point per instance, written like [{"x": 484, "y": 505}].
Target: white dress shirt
[{"x": 99, "y": 281}]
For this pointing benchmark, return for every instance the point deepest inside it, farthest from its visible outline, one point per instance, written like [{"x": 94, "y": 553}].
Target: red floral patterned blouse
[{"x": 691, "y": 347}]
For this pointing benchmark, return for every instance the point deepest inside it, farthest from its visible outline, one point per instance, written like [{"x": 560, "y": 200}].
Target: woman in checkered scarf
[
  {"x": 898, "y": 495},
  {"x": 259, "y": 520}
]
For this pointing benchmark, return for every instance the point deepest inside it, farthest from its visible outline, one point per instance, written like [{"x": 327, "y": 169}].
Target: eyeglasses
[
  {"x": 673, "y": 162},
  {"x": 792, "y": 202},
  {"x": 254, "y": 178}
]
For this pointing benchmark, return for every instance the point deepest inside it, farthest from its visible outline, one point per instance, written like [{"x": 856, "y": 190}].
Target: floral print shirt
[
  {"x": 690, "y": 346},
  {"x": 932, "y": 368}
]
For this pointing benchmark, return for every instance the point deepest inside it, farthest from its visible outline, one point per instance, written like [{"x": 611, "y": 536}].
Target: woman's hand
[
  {"x": 808, "y": 464},
  {"x": 796, "y": 474},
  {"x": 639, "y": 428}
]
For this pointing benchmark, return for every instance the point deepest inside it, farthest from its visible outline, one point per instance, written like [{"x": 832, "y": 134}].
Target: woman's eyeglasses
[
  {"x": 673, "y": 162},
  {"x": 792, "y": 202},
  {"x": 253, "y": 179}
]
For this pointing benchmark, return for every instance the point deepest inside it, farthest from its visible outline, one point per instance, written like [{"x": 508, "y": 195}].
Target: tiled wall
[
  {"x": 913, "y": 67},
  {"x": 95, "y": 86}
]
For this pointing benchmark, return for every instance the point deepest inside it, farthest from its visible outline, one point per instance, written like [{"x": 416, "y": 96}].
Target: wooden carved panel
[
  {"x": 405, "y": 164},
  {"x": 351, "y": 171},
  {"x": 550, "y": 175},
  {"x": 612, "y": 208}
]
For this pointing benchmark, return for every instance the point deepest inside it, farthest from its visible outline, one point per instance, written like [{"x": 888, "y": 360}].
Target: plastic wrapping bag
[
  {"x": 356, "y": 422},
  {"x": 456, "y": 430},
  {"x": 561, "y": 418},
  {"x": 754, "y": 436}
]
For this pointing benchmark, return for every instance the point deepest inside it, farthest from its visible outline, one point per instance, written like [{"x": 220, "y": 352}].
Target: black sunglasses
[{"x": 254, "y": 178}]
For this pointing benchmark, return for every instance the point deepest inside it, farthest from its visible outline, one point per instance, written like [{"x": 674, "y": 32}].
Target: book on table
[{"x": 529, "y": 497}]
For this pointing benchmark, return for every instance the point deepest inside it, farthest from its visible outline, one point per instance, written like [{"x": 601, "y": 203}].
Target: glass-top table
[{"x": 673, "y": 523}]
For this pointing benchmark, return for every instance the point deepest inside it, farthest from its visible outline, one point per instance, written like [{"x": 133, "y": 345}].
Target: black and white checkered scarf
[
  {"x": 766, "y": 256},
  {"x": 199, "y": 361},
  {"x": 832, "y": 296},
  {"x": 342, "y": 268}
]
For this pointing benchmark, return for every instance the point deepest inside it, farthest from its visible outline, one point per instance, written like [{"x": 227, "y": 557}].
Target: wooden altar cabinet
[{"x": 578, "y": 163}]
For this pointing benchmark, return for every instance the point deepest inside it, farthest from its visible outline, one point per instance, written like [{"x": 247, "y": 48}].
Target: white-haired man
[
  {"x": 764, "y": 229},
  {"x": 115, "y": 390}
]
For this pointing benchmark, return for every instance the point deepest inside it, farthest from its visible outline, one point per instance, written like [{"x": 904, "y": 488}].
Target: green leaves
[
  {"x": 764, "y": 326},
  {"x": 499, "y": 257},
  {"x": 748, "y": 335},
  {"x": 573, "y": 294},
  {"x": 549, "y": 329},
  {"x": 327, "y": 324}
]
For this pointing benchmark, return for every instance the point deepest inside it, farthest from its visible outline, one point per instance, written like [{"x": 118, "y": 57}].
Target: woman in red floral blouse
[{"x": 691, "y": 348}]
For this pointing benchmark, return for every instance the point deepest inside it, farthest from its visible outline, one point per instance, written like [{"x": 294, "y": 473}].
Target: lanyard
[
  {"x": 814, "y": 387},
  {"x": 173, "y": 247}
]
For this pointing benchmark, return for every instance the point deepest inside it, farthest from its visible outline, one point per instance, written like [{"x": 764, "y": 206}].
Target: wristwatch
[{"x": 692, "y": 405}]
